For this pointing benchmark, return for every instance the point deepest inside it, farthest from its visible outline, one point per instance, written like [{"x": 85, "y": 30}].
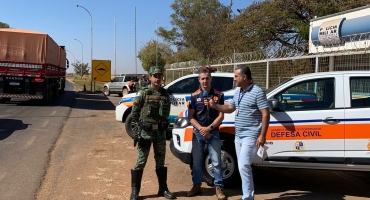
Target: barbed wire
[{"x": 349, "y": 44}]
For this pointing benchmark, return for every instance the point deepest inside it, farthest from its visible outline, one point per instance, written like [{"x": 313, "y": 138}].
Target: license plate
[{"x": 14, "y": 83}]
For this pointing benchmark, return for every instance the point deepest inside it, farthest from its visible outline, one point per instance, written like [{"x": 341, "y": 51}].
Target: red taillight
[{"x": 37, "y": 80}]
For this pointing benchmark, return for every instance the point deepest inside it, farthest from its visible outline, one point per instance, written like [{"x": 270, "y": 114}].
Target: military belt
[{"x": 151, "y": 126}]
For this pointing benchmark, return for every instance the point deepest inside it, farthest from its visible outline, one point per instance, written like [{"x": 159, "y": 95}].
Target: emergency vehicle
[
  {"x": 318, "y": 121},
  {"x": 180, "y": 91}
]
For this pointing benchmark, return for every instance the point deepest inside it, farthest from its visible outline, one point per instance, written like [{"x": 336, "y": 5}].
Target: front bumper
[
  {"x": 185, "y": 157},
  {"x": 120, "y": 110}
]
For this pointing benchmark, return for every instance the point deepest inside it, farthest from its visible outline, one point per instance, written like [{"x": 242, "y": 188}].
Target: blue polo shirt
[
  {"x": 203, "y": 117},
  {"x": 248, "y": 104}
]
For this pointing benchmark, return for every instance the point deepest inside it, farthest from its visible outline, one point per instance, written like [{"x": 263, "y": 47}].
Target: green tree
[
  {"x": 185, "y": 55},
  {"x": 151, "y": 54},
  {"x": 197, "y": 24},
  {"x": 4, "y": 25},
  {"x": 282, "y": 24},
  {"x": 81, "y": 69}
]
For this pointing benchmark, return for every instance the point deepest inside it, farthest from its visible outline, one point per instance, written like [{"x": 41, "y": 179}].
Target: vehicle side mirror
[
  {"x": 169, "y": 91},
  {"x": 111, "y": 80},
  {"x": 273, "y": 104}
]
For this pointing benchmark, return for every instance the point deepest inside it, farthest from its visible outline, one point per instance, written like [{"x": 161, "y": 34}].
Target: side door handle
[{"x": 331, "y": 120}]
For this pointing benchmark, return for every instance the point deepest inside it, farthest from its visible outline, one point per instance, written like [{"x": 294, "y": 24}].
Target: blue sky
[{"x": 64, "y": 22}]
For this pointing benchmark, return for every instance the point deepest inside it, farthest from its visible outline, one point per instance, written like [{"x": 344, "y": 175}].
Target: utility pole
[
  {"x": 156, "y": 45},
  {"x": 135, "y": 46},
  {"x": 115, "y": 72}
]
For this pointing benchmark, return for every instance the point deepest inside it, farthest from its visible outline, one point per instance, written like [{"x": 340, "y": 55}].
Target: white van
[
  {"x": 318, "y": 121},
  {"x": 180, "y": 91}
]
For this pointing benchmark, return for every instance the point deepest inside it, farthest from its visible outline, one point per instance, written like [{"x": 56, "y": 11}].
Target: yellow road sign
[{"x": 101, "y": 70}]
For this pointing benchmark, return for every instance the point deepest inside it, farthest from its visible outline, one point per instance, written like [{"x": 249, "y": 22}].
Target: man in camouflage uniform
[
  {"x": 151, "y": 109},
  {"x": 142, "y": 82}
]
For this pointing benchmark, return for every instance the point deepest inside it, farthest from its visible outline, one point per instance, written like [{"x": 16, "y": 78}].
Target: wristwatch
[{"x": 211, "y": 127}]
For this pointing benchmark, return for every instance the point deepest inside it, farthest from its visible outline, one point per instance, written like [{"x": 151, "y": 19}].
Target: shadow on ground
[
  {"x": 93, "y": 101},
  {"x": 9, "y": 126}
]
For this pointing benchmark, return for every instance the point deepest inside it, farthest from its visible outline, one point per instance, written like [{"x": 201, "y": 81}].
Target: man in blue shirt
[
  {"x": 206, "y": 121},
  {"x": 252, "y": 118}
]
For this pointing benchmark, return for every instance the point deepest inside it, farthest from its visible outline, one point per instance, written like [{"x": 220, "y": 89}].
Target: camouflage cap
[{"x": 155, "y": 70}]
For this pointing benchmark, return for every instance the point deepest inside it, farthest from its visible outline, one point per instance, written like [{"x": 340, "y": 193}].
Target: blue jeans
[
  {"x": 214, "y": 150},
  {"x": 246, "y": 149}
]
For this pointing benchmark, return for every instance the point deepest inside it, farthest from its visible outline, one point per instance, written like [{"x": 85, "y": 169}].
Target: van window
[
  {"x": 223, "y": 83},
  {"x": 309, "y": 95},
  {"x": 128, "y": 78},
  {"x": 360, "y": 92},
  {"x": 185, "y": 86},
  {"x": 117, "y": 79}
]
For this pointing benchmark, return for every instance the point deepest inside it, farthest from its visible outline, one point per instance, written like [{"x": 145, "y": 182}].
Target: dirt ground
[{"x": 93, "y": 157}]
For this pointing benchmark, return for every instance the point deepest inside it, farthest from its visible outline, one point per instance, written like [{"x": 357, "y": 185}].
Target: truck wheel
[
  {"x": 106, "y": 91},
  {"x": 229, "y": 167},
  {"x": 63, "y": 85},
  {"x": 55, "y": 90},
  {"x": 124, "y": 92},
  {"x": 47, "y": 94},
  {"x": 131, "y": 126}
]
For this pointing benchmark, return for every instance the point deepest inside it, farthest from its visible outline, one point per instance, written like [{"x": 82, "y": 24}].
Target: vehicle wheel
[
  {"x": 229, "y": 167},
  {"x": 63, "y": 85},
  {"x": 124, "y": 92},
  {"x": 131, "y": 126},
  {"x": 47, "y": 94},
  {"x": 106, "y": 91}
]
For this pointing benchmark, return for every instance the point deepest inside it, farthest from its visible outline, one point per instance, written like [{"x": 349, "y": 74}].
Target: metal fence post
[
  {"x": 331, "y": 63},
  {"x": 267, "y": 74},
  {"x": 234, "y": 60},
  {"x": 317, "y": 64}
]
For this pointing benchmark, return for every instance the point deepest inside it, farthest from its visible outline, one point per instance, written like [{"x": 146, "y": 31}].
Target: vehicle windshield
[{"x": 273, "y": 88}]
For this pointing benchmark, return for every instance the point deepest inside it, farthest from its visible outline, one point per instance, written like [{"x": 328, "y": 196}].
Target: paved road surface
[{"x": 27, "y": 134}]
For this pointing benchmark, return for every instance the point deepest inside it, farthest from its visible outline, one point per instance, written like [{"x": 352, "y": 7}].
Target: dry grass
[{"x": 86, "y": 81}]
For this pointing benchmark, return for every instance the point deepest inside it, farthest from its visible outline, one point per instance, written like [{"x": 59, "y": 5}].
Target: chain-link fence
[{"x": 270, "y": 69}]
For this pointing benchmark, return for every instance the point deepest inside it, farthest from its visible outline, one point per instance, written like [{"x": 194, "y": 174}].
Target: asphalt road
[{"x": 28, "y": 132}]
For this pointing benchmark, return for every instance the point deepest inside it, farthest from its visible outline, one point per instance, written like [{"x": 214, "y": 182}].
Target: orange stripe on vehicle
[
  {"x": 305, "y": 132},
  {"x": 357, "y": 131},
  {"x": 227, "y": 129},
  {"x": 181, "y": 114},
  {"x": 339, "y": 131},
  {"x": 128, "y": 104},
  {"x": 188, "y": 137}
]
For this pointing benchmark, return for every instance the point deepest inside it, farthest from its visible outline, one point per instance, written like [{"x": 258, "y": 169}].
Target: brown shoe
[
  {"x": 195, "y": 190},
  {"x": 220, "y": 193}
]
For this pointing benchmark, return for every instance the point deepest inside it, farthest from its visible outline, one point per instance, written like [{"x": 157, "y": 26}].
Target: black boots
[
  {"x": 162, "y": 180},
  {"x": 136, "y": 176}
]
